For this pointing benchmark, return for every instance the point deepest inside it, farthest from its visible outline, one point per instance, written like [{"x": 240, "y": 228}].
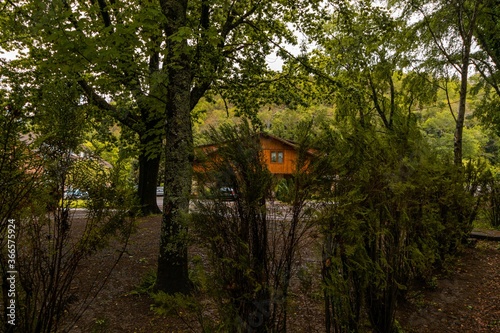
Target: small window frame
[{"x": 277, "y": 156}]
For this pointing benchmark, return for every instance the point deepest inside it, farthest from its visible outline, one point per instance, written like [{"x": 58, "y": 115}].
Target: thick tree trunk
[
  {"x": 172, "y": 274},
  {"x": 148, "y": 176},
  {"x": 149, "y": 161}
]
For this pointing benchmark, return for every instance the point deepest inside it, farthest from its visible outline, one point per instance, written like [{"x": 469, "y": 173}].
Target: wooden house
[{"x": 280, "y": 155}]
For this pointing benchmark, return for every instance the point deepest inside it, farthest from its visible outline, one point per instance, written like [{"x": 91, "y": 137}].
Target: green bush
[
  {"x": 251, "y": 252},
  {"x": 399, "y": 211},
  {"x": 34, "y": 177}
]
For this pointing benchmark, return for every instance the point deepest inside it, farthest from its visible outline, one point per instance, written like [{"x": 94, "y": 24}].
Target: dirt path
[{"x": 466, "y": 301}]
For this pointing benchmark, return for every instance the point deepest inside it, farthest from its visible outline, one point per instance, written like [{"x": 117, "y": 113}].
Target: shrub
[
  {"x": 399, "y": 211},
  {"x": 49, "y": 247},
  {"x": 251, "y": 248}
]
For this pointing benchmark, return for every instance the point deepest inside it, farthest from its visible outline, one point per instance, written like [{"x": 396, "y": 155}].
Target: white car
[{"x": 159, "y": 191}]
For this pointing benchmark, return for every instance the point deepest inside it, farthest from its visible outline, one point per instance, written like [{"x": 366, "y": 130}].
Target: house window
[{"x": 277, "y": 157}]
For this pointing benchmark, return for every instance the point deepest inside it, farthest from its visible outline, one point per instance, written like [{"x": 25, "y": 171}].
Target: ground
[
  {"x": 464, "y": 299},
  {"x": 467, "y": 299}
]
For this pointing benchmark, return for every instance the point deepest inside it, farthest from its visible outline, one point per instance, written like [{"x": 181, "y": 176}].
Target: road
[{"x": 280, "y": 211}]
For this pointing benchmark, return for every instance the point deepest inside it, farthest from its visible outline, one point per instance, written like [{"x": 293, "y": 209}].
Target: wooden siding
[
  {"x": 289, "y": 155},
  {"x": 269, "y": 144}
]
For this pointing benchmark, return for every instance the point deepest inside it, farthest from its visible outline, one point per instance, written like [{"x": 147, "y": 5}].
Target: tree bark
[
  {"x": 148, "y": 175},
  {"x": 150, "y": 139},
  {"x": 459, "y": 125},
  {"x": 172, "y": 273},
  {"x": 466, "y": 32}
]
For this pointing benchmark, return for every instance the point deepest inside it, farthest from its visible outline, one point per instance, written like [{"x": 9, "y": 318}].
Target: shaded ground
[{"x": 466, "y": 300}]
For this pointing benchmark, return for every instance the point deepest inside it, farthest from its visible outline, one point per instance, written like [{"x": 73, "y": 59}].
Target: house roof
[
  {"x": 287, "y": 142},
  {"x": 30, "y": 138},
  {"x": 211, "y": 148}
]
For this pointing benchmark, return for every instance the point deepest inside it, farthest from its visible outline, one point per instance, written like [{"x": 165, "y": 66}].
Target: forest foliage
[{"x": 111, "y": 97}]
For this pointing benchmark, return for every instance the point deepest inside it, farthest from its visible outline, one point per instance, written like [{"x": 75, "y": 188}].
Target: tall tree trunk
[
  {"x": 149, "y": 160},
  {"x": 466, "y": 31},
  {"x": 172, "y": 274},
  {"x": 148, "y": 176},
  {"x": 459, "y": 127}
]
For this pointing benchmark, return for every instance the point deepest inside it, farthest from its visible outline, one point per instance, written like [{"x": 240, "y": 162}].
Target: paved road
[
  {"x": 79, "y": 213},
  {"x": 283, "y": 215},
  {"x": 280, "y": 212}
]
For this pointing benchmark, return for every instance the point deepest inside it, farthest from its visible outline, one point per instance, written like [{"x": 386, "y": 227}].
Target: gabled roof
[
  {"x": 211, "y": 148},
  {"x": 287, "y": 142}
]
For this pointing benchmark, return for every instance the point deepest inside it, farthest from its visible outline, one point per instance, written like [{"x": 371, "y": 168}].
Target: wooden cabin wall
[
  {"x": 268, "y": 145},
  {"x": 289, "y": 156}
]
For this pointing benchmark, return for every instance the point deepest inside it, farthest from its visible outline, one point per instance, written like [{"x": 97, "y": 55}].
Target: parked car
[
  {"x": 76, "y": 194},
  {"x": 227, "y": 193},
  {"x": 160, "y": 191}
]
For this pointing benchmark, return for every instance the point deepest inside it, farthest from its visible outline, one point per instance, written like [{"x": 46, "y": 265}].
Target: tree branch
[
  {"x": 393, "y": 98},
  {"x": 104, "y": 13},
  {"x": 488, "y": 78},
  {"x": 95, "y": 99},
  {"x": 437, "y": 42},
  {"x": 377, "y": 104},
  {"x": 449, "y": 102}
]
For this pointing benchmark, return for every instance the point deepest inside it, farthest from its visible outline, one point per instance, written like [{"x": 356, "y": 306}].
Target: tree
[
  {"x": 441, "y": 25},
  {"x": 148, "y": 64},
  {"x": 232, "y": 42},
  {"x": 365, "y": 58},
  {"x": 378, "y": 162},
  {"x": 487, "y": 63},
  {"x": 487, "y": 33}
]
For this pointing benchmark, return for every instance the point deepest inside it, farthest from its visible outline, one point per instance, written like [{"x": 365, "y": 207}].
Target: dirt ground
[
  {"x": 464, "y": 300},
  {"x": 467, "y": 299}
]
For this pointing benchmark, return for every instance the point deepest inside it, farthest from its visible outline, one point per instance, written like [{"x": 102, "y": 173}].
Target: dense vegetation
[{"x": 110, "y": 97}]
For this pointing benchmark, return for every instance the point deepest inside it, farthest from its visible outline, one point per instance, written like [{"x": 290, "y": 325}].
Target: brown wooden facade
[{"x": 280, "y": 155}]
